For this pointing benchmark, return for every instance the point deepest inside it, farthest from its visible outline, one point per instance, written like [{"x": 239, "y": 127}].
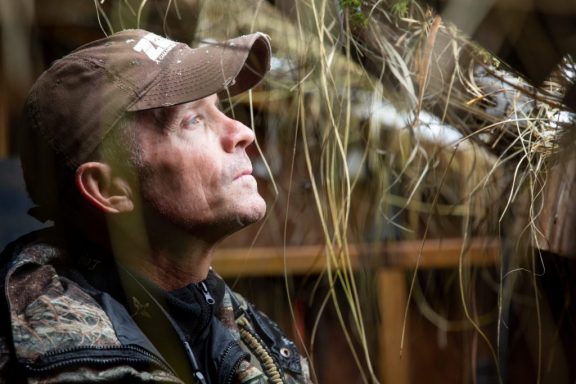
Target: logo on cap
[{"x": 154, "y": 46}]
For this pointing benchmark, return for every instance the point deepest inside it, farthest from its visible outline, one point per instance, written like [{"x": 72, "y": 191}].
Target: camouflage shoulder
[{"x": 49, "y": 312}]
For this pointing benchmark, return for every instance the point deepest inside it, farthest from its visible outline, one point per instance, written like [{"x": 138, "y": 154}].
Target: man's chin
[{"x": 256, "y": 212}]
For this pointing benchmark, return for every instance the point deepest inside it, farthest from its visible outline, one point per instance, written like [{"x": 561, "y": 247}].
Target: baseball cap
[{"x": 77, "y": 101}]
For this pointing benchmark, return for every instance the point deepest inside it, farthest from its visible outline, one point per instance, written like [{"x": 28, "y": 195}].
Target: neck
[
  {"x": 172, "y": 260},
  {"x": 171, "y": 269}
]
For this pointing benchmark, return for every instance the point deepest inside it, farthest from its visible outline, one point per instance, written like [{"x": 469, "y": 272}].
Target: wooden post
[
  {"x": 392, "y": 298},
  {"x": 557, "y": 220}
]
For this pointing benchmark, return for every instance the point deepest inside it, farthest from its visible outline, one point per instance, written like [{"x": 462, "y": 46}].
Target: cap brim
[{"x": 225, "y": 68}]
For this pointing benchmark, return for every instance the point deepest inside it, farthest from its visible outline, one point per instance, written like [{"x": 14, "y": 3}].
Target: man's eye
[{"x": 192, "y": 122}]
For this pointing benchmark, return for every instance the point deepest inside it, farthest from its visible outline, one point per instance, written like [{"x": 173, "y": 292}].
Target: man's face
[{"x": 194, "y": 172}]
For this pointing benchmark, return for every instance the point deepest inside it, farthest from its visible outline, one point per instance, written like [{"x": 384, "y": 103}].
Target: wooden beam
[
  {"x": 392, "y": 299},
  {"x": 436, "y": 253}
]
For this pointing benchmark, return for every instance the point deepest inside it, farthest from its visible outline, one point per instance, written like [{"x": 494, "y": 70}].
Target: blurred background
[{"x": 418, "y": 163}]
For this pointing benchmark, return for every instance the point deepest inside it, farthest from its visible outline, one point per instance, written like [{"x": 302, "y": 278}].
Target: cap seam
[{"x": 125, "y": 84}]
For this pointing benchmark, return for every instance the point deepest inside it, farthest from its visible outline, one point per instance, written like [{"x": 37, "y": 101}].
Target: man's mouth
[{"x": 246, "y": 172}]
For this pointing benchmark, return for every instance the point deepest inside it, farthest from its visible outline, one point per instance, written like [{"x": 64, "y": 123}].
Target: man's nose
[{"x": 236, "y": 135}]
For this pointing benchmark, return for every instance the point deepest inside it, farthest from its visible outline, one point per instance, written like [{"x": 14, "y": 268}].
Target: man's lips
[{"x": 246, "y": 172}]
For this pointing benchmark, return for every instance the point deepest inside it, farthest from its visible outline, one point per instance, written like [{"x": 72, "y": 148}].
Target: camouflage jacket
[{"x": 68, "y": 322}]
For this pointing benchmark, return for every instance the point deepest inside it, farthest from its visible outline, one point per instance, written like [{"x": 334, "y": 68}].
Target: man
[{"x": 127, "y": 151}]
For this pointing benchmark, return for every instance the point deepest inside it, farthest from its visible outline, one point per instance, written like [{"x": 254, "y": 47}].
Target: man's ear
[{"x": 102, "y": 189}]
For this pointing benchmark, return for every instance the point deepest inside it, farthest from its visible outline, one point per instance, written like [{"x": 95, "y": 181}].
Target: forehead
[
  {"x": 206, "y": 101},
  {"x": 167, "y": 115}
]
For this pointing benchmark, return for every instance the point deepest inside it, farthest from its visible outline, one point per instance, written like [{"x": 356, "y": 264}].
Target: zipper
[
  {"x": 224, "y": 355},
  {"x": 234, "y": 370},
  {"x": 207, "y": 296},
  {"x": 58, "y": 359},
  {"x": 197, "y": 374},
  {"x": 244, "y": 356}
]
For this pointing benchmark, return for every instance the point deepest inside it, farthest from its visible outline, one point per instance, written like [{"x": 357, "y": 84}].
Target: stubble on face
[{"x": 188, "y": 180}]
